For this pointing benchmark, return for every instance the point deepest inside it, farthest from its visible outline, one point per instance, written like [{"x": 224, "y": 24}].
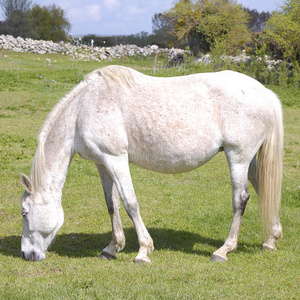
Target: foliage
[
  {"x": 17, "y": 17},
  {"x": 160, "y": 24},
  {"x": 188, "y": 215},
  {"x": 218, "y": 51},
  {"x": 282, "y": 75},
  {"x": 283, "y": 31},
  {"x": 9, "y": 7},
  {"x": 200, "y": 23},
  {"x": 208, "y": 20},
  {"x": 161, "y": 29},
  {"x": 50, "y": 23},
  {"x": 47, "y": 22},
  {"x": 257, "y": 20},
  {"x": 296, "y": 75}
]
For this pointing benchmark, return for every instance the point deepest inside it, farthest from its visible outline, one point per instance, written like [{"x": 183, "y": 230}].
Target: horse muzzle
[{"x": 33, "y": 256}]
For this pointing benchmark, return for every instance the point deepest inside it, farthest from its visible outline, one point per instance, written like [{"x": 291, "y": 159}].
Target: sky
[{"x": 125, "y": 17}]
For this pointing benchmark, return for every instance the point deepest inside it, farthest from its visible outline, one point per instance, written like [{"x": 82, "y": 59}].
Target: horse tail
[{"x": 270, "y": 175}]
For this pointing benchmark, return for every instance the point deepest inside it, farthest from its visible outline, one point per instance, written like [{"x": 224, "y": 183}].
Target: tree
[
  {"x": 161, "y": 30},
  {"x": 282, "y": 31},
  {"x": 50, "y": 23},
  {"x": 208, "y": 21},
  {"x": 257, "y": 19},
  {"x": 9, "y": 7},
  {"x": 17, "y": 19}
]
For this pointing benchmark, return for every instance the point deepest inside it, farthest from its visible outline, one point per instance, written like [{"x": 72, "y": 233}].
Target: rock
[
  {"x": 205, "y": 59},
  {"x": 154, "y": 47}
]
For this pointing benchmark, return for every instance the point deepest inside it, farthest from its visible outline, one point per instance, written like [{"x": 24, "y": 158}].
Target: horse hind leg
[
  {"x": 239, "y": 201},
  {"x": 113, "y": 205}
]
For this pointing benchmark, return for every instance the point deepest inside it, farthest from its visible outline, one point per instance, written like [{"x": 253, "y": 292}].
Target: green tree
[
  {"x": 208, "y": 21},
  {"x": 17, "y": 18},
  {"x": 282, "y": 31},
  {"x": 50, "y": 23}
]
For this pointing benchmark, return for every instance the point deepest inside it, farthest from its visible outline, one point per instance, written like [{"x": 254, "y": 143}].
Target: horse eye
[{"x": 24, "y": 214}]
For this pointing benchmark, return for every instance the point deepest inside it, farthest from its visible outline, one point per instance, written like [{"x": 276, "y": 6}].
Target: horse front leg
[
  {"x": 119, "y": 171},
  {"x": 239, "y": 201},
  {"x": 113, "y": 205}
]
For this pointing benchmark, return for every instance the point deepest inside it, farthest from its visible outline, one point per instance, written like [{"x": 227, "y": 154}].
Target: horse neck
[{"x": 56, "y": 156}]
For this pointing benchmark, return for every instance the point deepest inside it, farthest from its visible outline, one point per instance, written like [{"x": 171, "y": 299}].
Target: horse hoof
[
  {"x": 218, "y": 258},
  {"x": 268, "y": 247},
  {"x": 107, "y": 256},
  {"x": 145, "y": 260}
]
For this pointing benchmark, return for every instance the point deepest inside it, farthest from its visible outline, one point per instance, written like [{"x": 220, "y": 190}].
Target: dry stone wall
[
  {"x": 86, "y": 53},
  {"x": 82, "y": 52}
]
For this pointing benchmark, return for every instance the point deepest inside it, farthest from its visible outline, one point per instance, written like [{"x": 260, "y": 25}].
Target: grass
[{"x": 188, "y": 215}]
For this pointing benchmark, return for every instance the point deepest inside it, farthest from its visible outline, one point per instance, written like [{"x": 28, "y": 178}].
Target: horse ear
[{"x": 26, "y": 182}]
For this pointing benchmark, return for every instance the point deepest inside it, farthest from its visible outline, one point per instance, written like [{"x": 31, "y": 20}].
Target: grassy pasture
[{"x": 188, "y": 215}]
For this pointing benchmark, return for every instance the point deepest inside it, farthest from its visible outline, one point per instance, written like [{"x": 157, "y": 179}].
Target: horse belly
[
  {"x": 172, "y": 133},
  {"x": 171, "y": 164},
  {"x": 178, "y": 155}
]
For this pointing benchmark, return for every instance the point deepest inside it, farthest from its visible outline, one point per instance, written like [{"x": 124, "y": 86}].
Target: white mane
[
  {"x": 117, "y": 75},
  {"x": 38, "y": 160}
]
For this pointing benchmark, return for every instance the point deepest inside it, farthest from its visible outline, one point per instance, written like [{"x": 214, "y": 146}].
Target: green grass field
[{"x": 188, "y": 215}]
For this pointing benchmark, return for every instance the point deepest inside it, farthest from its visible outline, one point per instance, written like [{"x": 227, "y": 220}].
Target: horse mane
[
  {"x": 111, "y": 74},
  {"x": 38, "y": 160},
  {"x": 118, "y": 75}
]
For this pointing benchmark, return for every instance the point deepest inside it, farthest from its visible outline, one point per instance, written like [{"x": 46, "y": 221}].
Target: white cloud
[
  {"x": 135, "y": 10},
  {"x": 112, "y": 4},
  {"x": 74, "y": 13},
  {"x": 94, "y": 13}
]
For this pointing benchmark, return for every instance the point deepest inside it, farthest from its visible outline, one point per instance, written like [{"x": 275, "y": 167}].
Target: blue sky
[{"x": 118, "y": 17}]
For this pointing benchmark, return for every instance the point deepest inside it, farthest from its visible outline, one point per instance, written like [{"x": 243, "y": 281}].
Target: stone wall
[
  {"x": 82, "y": 52},
  {"x": 86, "y": 53}
]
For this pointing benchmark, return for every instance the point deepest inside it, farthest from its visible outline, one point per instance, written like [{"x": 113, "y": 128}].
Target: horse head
[{"x": 42, "y": 218}]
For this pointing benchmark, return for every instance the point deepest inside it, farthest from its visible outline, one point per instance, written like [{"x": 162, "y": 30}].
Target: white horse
[{"x": 171, "y": 125}]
